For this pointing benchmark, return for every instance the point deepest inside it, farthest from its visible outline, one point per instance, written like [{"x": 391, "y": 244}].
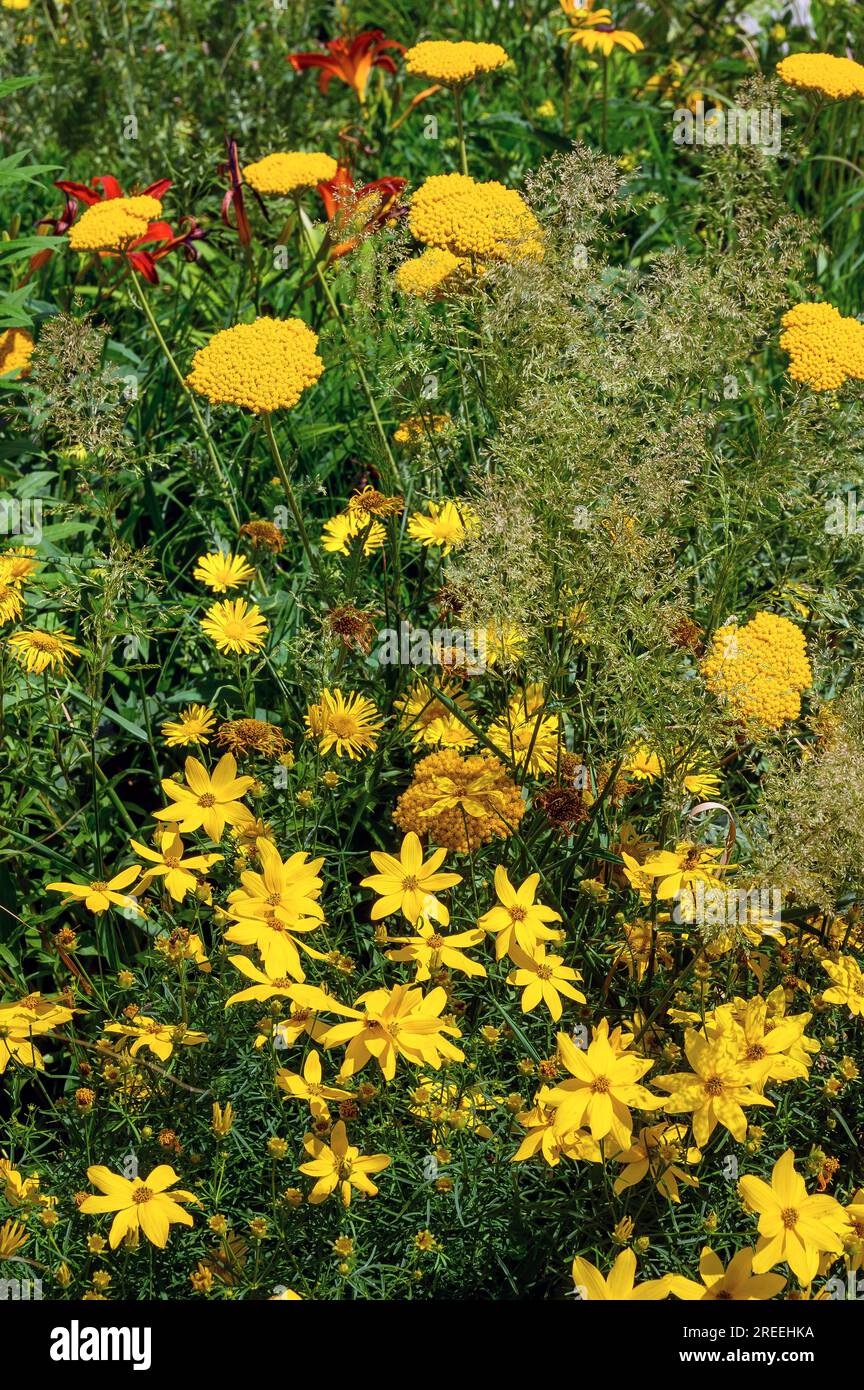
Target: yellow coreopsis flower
[
  {"x": 37, "y": 650},
  {"x": 543, "y": 979},
  {"x": 444, "y": 524},
  {"x": 764, "y": 1044},
  {"x": 680, "y": 870},
  {"x": 716, "y": 1090},
  {"x": 541, "y": 1136},
  {"x": 620, "y": 1286},
  {"x": 207, "y": 802},
  {"x": 848, "y": 984},
  {"x": 793, "y": 1225},
  {"x": 347, "y": 723},
  {"x": 98, "y": 895},
  {"x": 266, "y": 986},
  {"x": 142, "y": 1204},
  {"x": 340, "y": 1164},
  {"x": 518, "y": 920},
  {"x": 658, "y": 1151},
  {"x": 527, "y": 734},
  {"x": 433, "y": 951},
  {"x": 235, "y": 626},
  {"x": 309, "y": 1086},
  {"x": 737, "y": 1282},
  {"x": 12, "y": 1237},
  {"x": 18, "y": 1191},
  {"x": 603, "y": 1084},
  {"x": 286, "y": 889},
  {"x": 408, "y": 885},
  {"x": 338, "y": 533},
  {"x": 397, "y": 1022},
  {"x": 222, "y": 1120},
  {"x": 220, "y": 570},
  {"x": 20, "y": 1022},
  {"x": 16, "y": 1044},
  {"x": 158, "y": 1038},
  {"x": 193, "y": 725},
  {"x": 180, "y": 876}
]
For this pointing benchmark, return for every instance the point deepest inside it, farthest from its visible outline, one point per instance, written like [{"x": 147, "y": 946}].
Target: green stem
[
  {"x": 193, "y": 404},
  {"x": 291, "y": 499},
  {"x": 392, "y": 481}
]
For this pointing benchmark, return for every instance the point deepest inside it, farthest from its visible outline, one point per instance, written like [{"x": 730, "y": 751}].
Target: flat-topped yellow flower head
[
  {"x": 467, "y": 218},
  {"x": 454, "y": 64},
  {"x": 112, "y": 224},
  {"x": 289, "y": 173},
  {"x": 425, "y": 275},
  {"x": 825, "y": 348},
  {"x": 837, "y": 78},
  {"x": 760, "y": 669},
  {"x": 261, "y": 366},
  {"x": 16, "y": 349}
]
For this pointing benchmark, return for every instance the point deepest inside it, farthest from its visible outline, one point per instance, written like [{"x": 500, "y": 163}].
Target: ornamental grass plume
[
  {"x": 807, "y": 823},
  {"x": 825, "y": 349},
  {"x": 486, "y": 220},
  {"x": 835, "y": 78},
  {"x": 460, "y": 802},
  {"x": 261, "y": 366},
  {"x": 759, "y": 669}
]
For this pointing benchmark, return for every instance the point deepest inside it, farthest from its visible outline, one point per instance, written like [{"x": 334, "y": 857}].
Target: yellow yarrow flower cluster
[
  {"x": 289, "y": 173},
  {"x": 822, "y": 72},
  {"x": 416, "y": 427},
  {"x": 112, "y": 224},
  {"x": 461, "y": 803},
  {"x": 16, "y": 349},
  {"x": 825, "y": 348},
  {"x": 467, "y": 218},
  {"x": 760, "y": 669},
  {"x": 425, "y": 274},
  {"x": 454, "y": 64},
  {"x": 262, "y": 366}
]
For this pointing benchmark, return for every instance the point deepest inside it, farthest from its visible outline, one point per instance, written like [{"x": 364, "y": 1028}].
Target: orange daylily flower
[
  {"x": 350, "y": 60},
  {"x": 356, "y": 211}
]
